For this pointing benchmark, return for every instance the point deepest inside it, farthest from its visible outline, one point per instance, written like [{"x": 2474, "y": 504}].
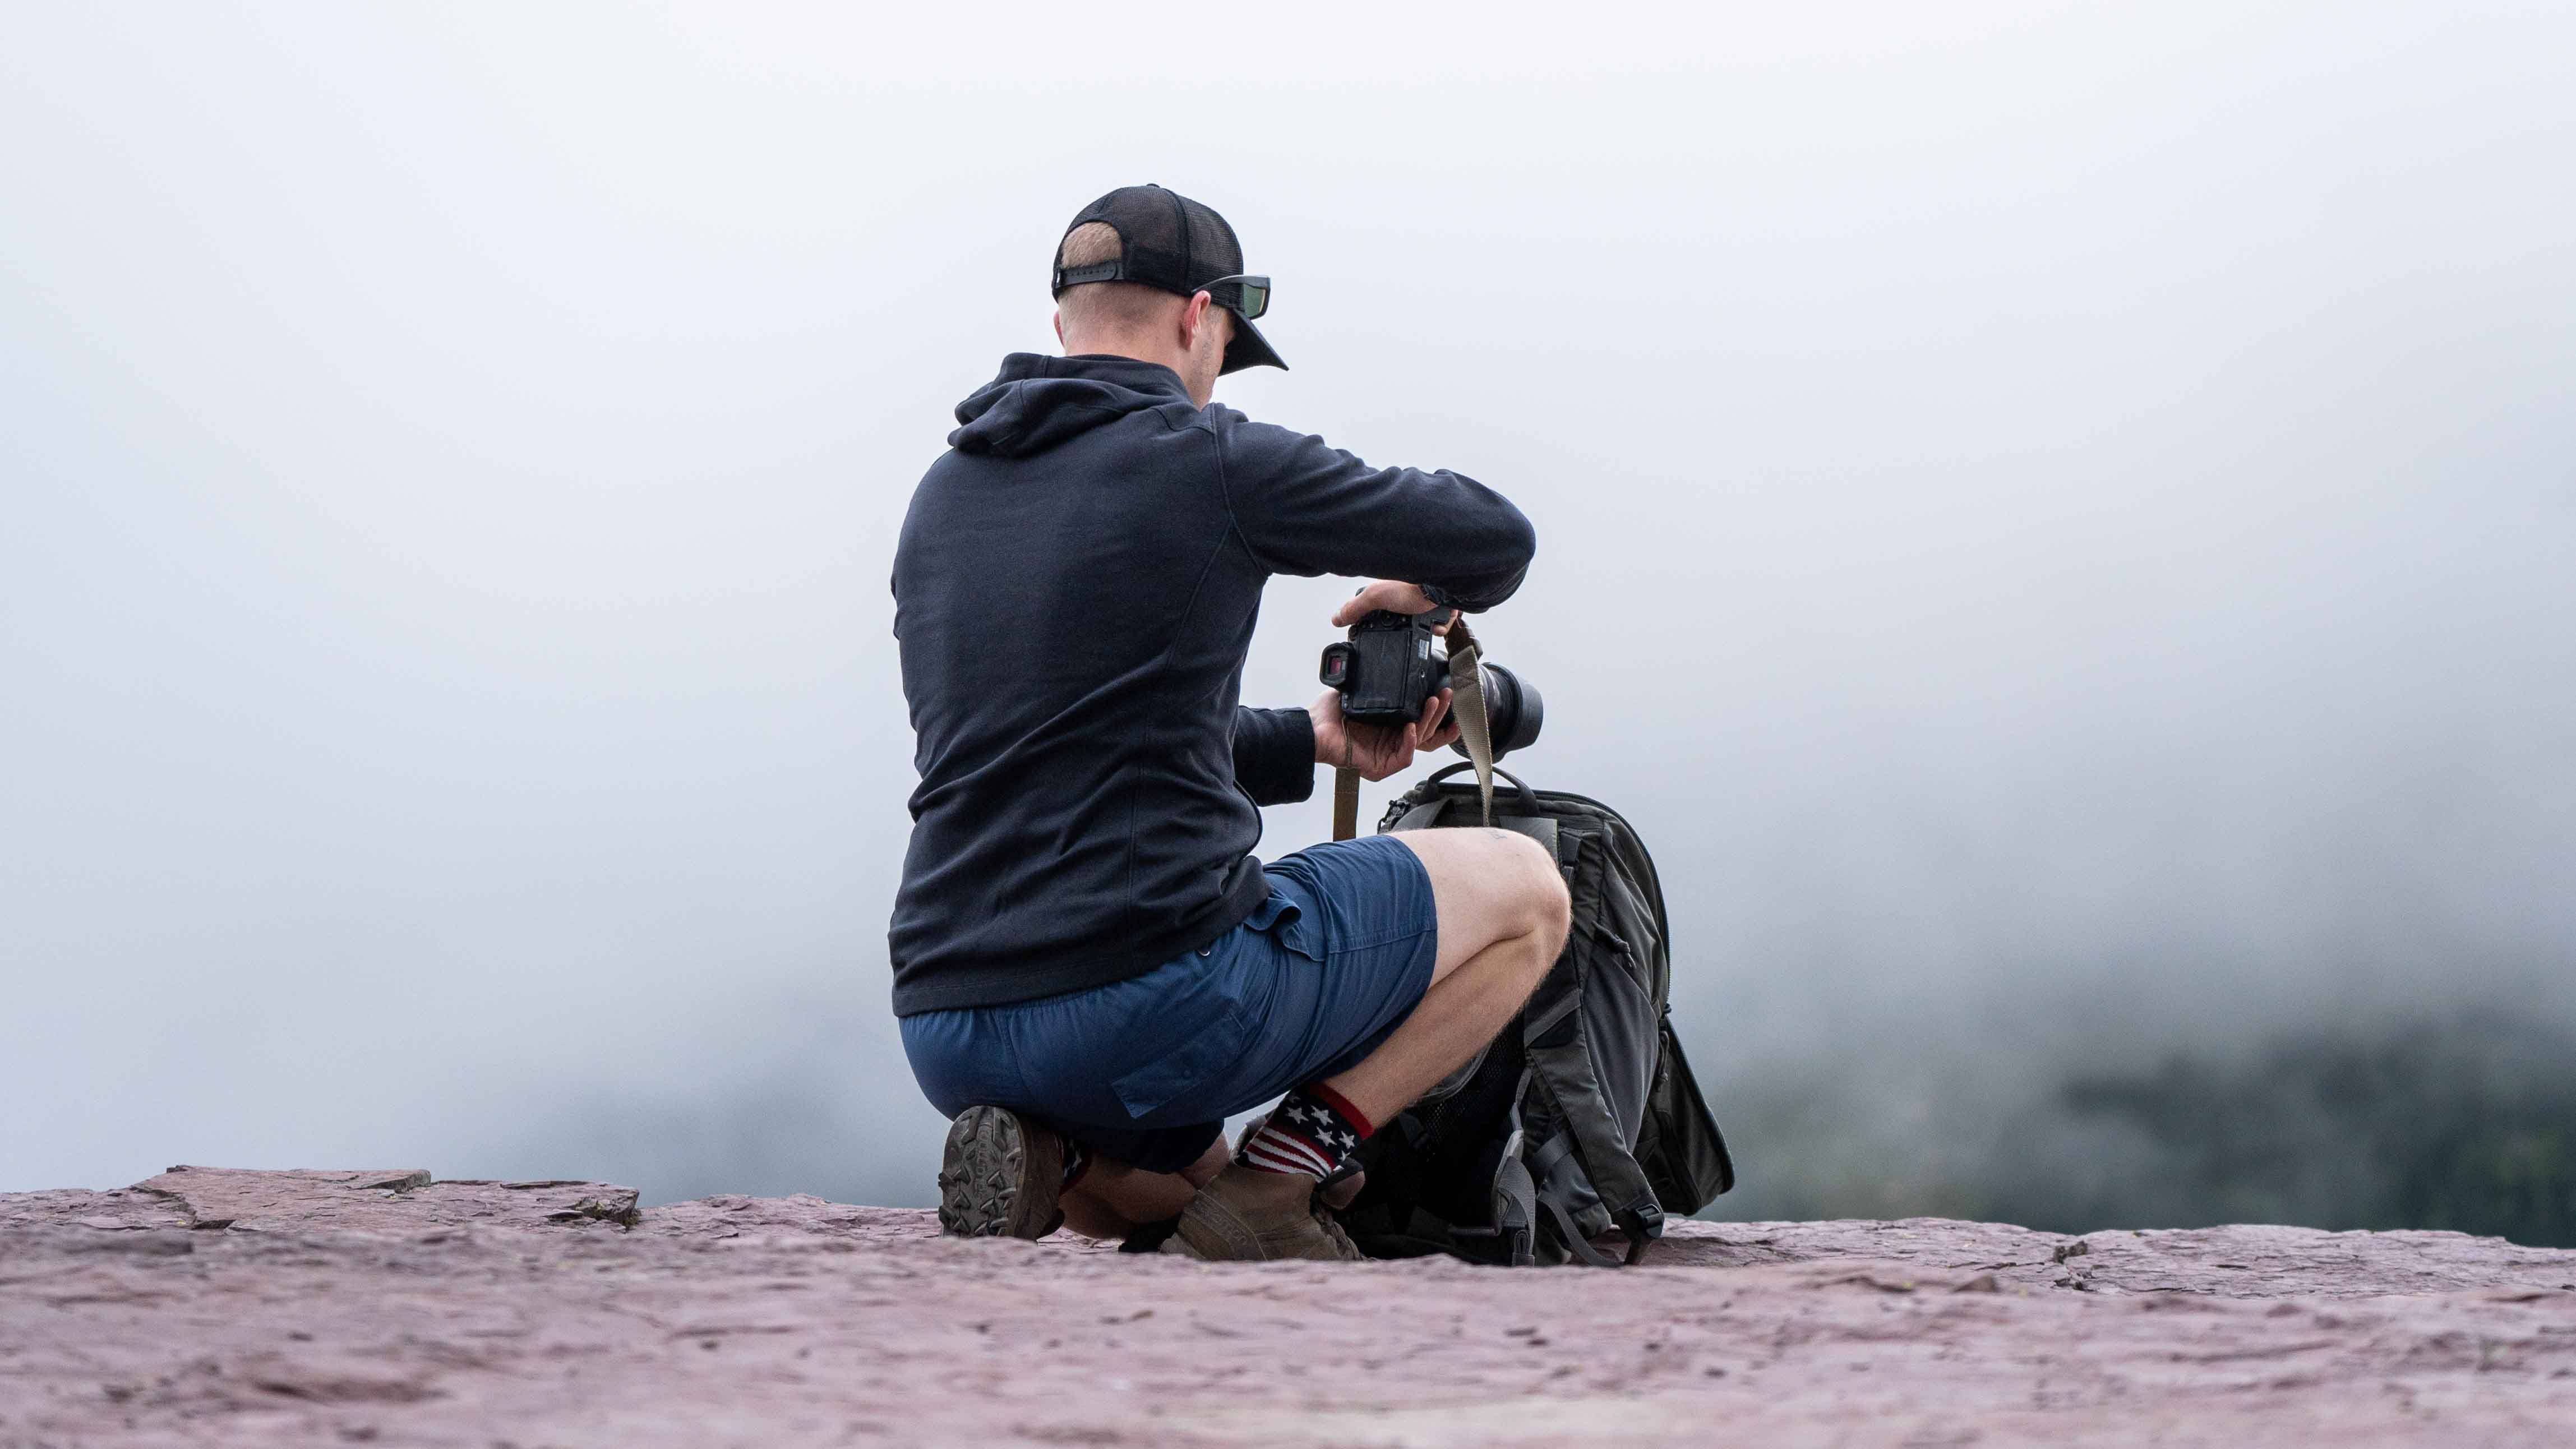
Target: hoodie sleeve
[
  {"x": 1274, "y": 754},
  {"x": 1305, "y": 507}
]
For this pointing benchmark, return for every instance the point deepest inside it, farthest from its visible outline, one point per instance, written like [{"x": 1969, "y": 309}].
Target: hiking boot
[
  {"x": 1246, "y": 1216},
  {"x": 999, "y": 1176}
]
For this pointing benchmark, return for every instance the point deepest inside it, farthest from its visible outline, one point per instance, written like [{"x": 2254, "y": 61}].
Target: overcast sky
[{"x": 2054, "y": 521}]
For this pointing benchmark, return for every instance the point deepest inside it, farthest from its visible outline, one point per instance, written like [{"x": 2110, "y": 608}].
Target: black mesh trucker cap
[{"x": 1174, "y": 243}]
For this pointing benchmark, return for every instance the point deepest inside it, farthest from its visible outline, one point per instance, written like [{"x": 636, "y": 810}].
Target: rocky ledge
[{"x": 209, "y": 1306}]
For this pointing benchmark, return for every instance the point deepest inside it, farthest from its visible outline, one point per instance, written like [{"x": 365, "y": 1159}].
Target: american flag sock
[
  {"x": 1311, "y": 1130},
  {"x": 1076, "y": 1163}
]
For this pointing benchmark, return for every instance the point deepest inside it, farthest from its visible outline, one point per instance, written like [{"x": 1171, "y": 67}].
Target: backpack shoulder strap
[{"x": 1589, "y": 1142}]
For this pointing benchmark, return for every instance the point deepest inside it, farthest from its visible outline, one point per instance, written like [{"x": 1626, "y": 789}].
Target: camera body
[
  {"x": 1392, "y": 665},
  {"x": 1388, "y": 669}
]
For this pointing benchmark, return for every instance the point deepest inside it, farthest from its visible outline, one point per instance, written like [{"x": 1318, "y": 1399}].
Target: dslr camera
[{"x": 1393, "y": 664}]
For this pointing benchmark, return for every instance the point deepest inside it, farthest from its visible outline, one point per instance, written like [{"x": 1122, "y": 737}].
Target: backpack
[{"x": 1582, "y": 1117}]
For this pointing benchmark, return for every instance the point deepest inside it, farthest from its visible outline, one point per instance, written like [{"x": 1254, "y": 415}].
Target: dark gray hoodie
[{"x": 1074, "y": 591}]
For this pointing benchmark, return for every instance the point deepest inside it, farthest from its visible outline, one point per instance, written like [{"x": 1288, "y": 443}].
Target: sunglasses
[{"x": 1251, "y": 295}]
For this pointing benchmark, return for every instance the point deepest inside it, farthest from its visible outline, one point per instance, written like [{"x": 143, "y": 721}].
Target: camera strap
[
  {"x": 1467, "y": 702},
  {"x": 1346, "y": 802}
]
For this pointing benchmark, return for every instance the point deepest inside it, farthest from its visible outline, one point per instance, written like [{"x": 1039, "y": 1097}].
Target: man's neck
[
  {"x": 1171, "y": 357},
  {"x": 1139, "y": 351}
]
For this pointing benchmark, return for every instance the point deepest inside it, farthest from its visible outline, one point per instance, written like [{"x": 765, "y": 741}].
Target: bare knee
[
  {"x": 1540, "y": 907},
  {"x": 1494, "y": 886},
  {"x": 1553, "y": 907}
]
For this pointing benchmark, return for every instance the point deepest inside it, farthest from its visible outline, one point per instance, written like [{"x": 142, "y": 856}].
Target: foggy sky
[{"x": 2054, "y": 521}]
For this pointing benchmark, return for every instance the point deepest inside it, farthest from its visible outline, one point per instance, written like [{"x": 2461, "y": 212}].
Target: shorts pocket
[
  {"x": 1189, "y": 1047},
  {"x": 1285, "y": 921}
]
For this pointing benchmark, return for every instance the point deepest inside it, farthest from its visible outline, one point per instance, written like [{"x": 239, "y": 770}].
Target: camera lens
[{"x": 1513, "y": 712}]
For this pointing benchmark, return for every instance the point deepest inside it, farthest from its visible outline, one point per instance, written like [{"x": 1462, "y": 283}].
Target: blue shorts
[{"x": 1145, "y": 1071}]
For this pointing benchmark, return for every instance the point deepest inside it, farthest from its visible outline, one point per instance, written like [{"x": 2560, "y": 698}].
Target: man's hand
[
  {"x": 1377, "y": 751},
  {"x": 1392, "y": 595}
]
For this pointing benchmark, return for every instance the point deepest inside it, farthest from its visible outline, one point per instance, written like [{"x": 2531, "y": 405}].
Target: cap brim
[{"x": 1248, "y": 349}]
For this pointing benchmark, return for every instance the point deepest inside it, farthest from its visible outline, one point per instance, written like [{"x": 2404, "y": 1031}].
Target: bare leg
[
  {"x": 1503, "y": 917},
  {"x": 1113, "y": 1199},
  {"x": 1502, "y": 912}
]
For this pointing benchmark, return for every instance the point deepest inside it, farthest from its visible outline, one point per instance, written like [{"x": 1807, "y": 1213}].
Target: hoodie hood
[{"x": 1038, "y": 402}]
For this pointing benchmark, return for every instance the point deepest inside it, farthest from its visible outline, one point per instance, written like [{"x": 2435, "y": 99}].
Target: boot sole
[{"x": 992, "y": 1181}]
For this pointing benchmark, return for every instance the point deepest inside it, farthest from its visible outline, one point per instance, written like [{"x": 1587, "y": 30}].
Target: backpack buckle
[{"x": 1643, "y": 1224}]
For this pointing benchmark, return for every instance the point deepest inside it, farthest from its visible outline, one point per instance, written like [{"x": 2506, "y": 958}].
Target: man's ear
[
  {"x": 1194, "y": 316},
  {"x": 1059, "y": 327}
]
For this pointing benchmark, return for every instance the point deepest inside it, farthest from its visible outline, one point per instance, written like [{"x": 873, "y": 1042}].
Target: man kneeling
[{"x": 1091, "y": 970}]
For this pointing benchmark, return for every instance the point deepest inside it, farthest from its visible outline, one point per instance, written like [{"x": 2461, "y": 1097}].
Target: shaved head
[{"x": 1097, "y": 308}]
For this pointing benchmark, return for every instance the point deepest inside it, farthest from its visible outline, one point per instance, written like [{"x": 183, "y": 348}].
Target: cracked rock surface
[{"x": 217, "y": 1307}]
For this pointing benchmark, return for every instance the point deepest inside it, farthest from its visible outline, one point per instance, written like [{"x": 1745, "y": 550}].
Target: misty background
[{"x": 2054, "y": 523}]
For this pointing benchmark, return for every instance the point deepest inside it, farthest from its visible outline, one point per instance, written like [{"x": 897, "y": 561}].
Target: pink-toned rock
[
  {"x": 123, "y": 1208},
  {"x": 394, "y": 1200},
  {"x": 2234, "y": 1262},
  {"x": 728, "y": 1215},
  {"x": 386, "y": 1308}
]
